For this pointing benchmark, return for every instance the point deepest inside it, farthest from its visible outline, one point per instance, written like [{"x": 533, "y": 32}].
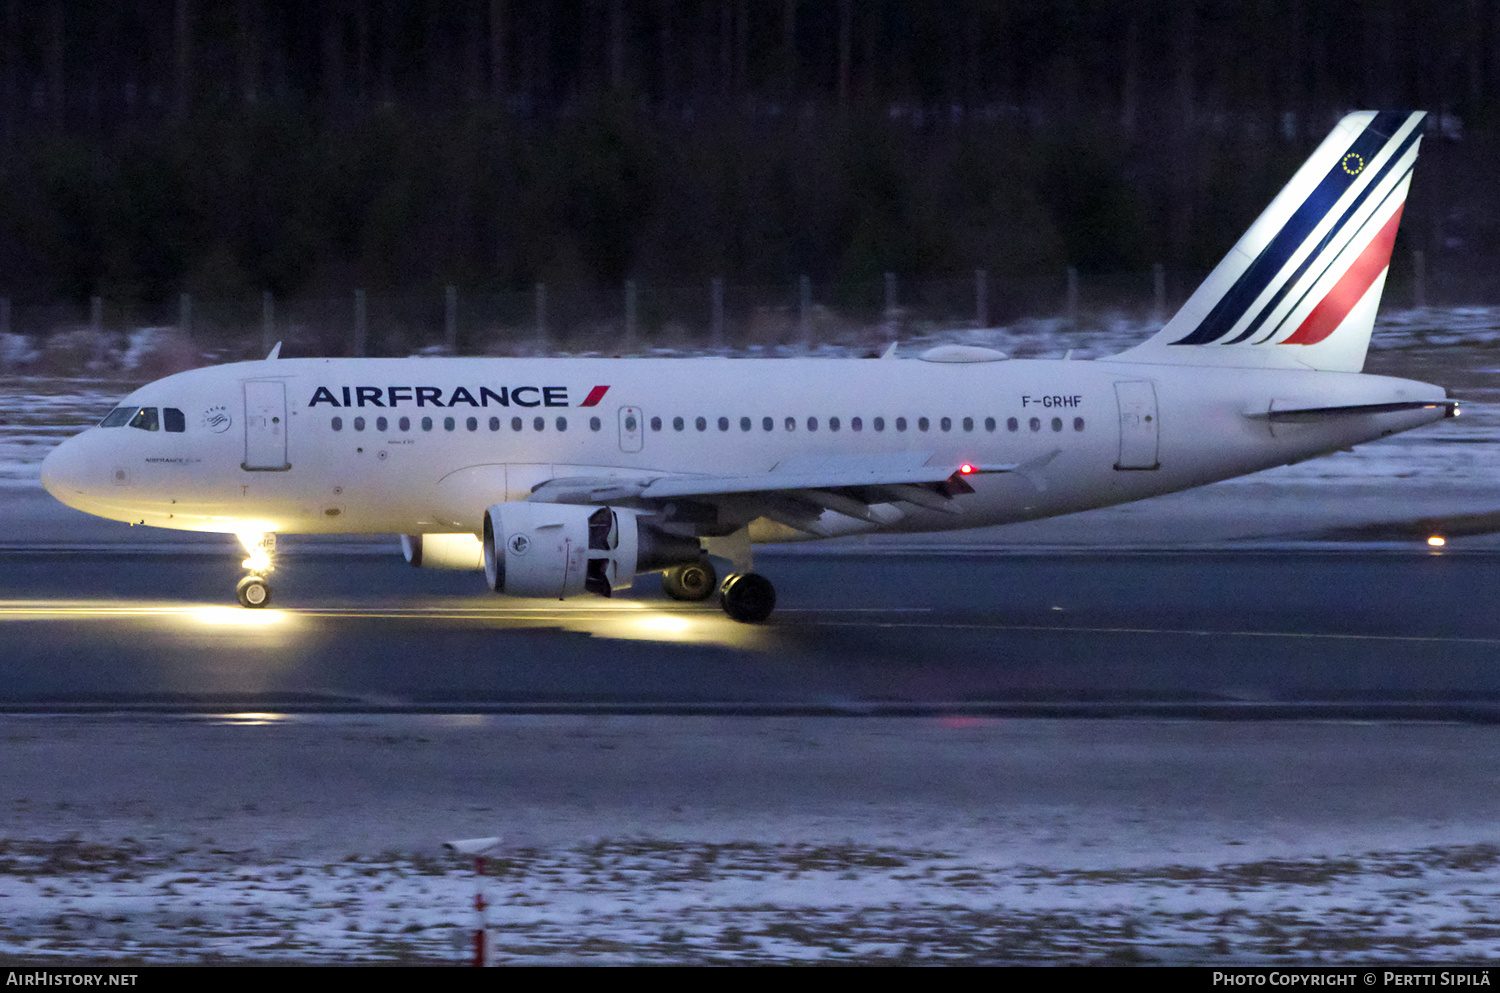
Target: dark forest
[{"x": 223, "y": 149}]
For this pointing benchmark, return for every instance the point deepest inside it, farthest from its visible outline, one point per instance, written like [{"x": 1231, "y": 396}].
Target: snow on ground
[
  {"x": 666, "y": 901},
  {"x": 683, "y": 840}
]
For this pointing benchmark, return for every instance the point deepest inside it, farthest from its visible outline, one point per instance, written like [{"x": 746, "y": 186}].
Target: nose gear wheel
[{"x": 253, "y": 591}]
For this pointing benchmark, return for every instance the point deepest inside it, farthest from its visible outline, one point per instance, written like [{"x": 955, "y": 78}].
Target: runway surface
[{"x": 1268, "y": 633}]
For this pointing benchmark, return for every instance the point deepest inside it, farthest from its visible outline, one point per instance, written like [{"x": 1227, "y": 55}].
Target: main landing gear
[
  {"x": 253, "y": 590},
  {"x": 693, "y": 581},
  {"x": 745, "y": 595},
  {"x": 748, "y": 597}
]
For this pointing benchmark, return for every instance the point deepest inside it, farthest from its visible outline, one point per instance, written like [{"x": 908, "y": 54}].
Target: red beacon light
[{"x": 966, "y": 469}]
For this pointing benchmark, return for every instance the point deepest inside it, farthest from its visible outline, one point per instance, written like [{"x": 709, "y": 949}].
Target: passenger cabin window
[{"x": 173, "y": 420}]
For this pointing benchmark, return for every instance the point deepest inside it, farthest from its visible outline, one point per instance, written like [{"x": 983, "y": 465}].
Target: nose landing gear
[{"x": 253, "y": 590}]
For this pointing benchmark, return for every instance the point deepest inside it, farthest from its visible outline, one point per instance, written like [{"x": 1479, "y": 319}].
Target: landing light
[{"x": 1436, "y": 541}]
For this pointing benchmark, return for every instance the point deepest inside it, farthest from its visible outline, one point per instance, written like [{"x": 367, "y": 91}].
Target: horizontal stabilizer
[{"x": 1310, "y": 415}]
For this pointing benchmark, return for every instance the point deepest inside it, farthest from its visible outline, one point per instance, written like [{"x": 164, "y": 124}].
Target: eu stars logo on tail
[{"x": 1310, "y": 270}]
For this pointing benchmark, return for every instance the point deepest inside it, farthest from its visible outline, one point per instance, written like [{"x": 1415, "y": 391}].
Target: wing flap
[{"x": 797, "y": 491}]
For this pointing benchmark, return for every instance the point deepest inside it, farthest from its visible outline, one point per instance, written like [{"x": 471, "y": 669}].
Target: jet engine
[{"x": 558, "y": 550}]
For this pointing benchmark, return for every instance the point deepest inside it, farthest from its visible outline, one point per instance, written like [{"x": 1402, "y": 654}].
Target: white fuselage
[{"x": 298, "y": 445}]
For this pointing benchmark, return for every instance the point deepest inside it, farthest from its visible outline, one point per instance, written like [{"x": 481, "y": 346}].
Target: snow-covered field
[{"x": 682, "y": 840}]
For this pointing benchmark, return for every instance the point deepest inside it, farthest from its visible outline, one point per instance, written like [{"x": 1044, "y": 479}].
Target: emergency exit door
[{"x": 632, "y": 429}]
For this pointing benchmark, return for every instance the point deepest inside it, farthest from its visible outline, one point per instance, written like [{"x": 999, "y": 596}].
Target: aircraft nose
[{"x": 63, "y": 470}]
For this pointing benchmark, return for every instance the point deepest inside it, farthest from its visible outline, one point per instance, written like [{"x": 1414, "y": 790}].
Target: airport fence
[{"x": 139, "y": 340}]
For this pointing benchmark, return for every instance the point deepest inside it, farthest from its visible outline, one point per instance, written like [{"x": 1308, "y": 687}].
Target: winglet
[{"x": 275, "y": 352}]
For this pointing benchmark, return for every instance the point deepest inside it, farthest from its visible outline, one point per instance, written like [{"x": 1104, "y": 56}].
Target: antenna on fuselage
[
  {"x": 275, "y": 352},
  {"x": 890, "y": 351}
]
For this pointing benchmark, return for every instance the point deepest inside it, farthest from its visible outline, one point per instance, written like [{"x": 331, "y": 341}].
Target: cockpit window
[
  {"x": 173, "y": 420},
  {"x": 145, "y": 419},
  {"x": 116, "y": 418}
]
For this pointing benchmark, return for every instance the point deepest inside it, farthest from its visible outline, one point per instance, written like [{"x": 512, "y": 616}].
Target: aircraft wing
[{"x": 797, "y": 491}]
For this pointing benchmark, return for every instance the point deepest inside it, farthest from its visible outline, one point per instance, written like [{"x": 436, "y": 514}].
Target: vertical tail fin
[{"x": 1301, "y": 287}]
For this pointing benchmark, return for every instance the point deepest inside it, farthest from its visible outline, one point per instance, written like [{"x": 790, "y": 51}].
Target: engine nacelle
[
  {"x": 558, "y": 550},
  {"x": 442, "y": 551}
]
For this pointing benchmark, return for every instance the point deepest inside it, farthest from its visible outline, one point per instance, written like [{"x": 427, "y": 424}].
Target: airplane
[{"x": 565, "y": 476}]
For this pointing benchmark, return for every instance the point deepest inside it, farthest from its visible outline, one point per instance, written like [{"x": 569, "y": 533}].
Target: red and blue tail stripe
[{"x": 1388, "y": 131}]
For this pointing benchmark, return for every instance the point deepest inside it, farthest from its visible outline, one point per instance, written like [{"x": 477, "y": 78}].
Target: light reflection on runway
[
  {"x": 627, "y": 620},
  {"x": 1105, "y": 632}
]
